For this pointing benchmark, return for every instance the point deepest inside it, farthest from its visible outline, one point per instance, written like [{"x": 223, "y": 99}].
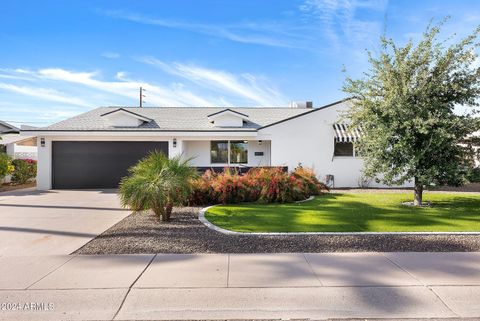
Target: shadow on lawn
[{"x": 336, "y": 214}]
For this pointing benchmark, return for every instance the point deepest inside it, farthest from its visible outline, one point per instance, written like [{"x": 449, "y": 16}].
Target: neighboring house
[
  {"x": 94, "y": 149},
  {"x": 16, "y": 145}
]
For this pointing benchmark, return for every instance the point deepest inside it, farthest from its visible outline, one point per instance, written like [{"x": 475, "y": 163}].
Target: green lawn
[{"x": 349, "y": 212}]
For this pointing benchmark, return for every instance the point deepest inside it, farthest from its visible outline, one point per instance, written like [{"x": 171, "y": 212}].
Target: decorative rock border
[{"x": 207, "y": 223}]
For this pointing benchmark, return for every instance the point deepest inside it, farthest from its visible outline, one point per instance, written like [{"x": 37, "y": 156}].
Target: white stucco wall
[
  {"x": 123, "y": 119},
  {"x": 227, "y": 120},
  {"x": 309, "y": 140},
  {"x": 199, "y": 151}
]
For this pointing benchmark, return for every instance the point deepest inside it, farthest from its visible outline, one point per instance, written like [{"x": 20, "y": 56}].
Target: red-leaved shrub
[
  {"x": 260, "y": 184},
  {"x": 24, "y": 170}
]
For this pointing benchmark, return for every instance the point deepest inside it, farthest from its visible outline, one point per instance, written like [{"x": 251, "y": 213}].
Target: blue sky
[{"x": 61, "y": 58}]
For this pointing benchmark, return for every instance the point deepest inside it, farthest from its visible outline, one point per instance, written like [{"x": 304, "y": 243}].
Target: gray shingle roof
[
  {"x": 174, "y": 119},
  {"x": 7, "y": 128}
]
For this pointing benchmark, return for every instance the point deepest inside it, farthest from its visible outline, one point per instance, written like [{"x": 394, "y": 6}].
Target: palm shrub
[{"x": 157, "y": 183}]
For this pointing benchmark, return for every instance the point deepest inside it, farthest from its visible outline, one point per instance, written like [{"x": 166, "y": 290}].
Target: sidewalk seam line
[
  {"x": 312, "y": 270},
  {"x": 403, "y": 269},
  {"x": 228, "y": 270},
  {"x": 425, "y": 285},
  {"x": 130, "y": 288},
  {"x": 441, "y": 300},
  {"x": 52, "y": 271}
]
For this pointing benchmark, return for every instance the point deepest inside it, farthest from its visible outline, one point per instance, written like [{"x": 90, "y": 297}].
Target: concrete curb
[{"x": 207, "y": 223}]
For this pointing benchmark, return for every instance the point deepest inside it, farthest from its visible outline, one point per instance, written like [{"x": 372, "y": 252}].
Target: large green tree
[{"x": 405, "y": 106}]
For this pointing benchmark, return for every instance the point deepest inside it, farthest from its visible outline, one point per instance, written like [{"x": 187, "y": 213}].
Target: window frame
[
  {"x": 230, "y": 142},
  {"x": 229, "y": 161},
  {"x": 211, "y": 149},
  {"x": 354, "y": 154}
]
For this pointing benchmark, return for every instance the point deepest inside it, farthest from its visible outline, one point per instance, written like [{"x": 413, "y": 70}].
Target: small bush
[
  {"x": 6, "y": 166},
  {"x": 25, "y": 170},
  {"x": 266, "y": 185},
  {"x": 473, "y": 175}
]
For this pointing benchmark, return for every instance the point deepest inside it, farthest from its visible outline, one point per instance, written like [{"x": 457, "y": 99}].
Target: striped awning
[{"x": 345, "y": 134}]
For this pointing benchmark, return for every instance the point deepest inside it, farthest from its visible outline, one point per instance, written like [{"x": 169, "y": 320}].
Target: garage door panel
[{"x": 97, "y": 164}]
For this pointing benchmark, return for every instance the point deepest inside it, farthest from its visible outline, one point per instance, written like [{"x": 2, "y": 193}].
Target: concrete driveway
[{"x": 54, "y": 222}]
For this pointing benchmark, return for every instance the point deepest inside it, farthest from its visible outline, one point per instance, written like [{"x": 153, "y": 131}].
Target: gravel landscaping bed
[{"x": 144, "y": 233}]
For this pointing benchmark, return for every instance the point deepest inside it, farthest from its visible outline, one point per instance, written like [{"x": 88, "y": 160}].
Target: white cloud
[
  {"x": 53, "y": 94},
  {"x": 44, "y": 94},
  {"x": 111, "y": 55},
  {"x": 266, "y": 34},
  {"x": 338, "y": 19},
  {"x": 127, "y": 88},
  {"x": 245, "y": 85}
]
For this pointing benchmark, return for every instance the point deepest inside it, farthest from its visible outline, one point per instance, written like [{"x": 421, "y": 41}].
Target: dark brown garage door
[{"x": 96, "y": 164}]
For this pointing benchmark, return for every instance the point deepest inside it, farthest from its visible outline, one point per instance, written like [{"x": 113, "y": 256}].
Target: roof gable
[
  {"x": 124, "y": 118},
  {"x": 227, "y": 118},
  {"x": 306, "y": 113},
  {"x": 227, "y": 110}
]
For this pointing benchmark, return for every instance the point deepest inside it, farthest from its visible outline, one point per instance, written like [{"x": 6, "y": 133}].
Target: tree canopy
[{"x": 405, "y": 105}]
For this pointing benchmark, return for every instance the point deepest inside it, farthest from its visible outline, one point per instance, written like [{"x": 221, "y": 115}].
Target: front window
[
  {"x": 343, "y": 149},
  {"x": 238, "y": 152},
  {"x": 229, "y": 152},
  {"x": 219, "y": 152}
]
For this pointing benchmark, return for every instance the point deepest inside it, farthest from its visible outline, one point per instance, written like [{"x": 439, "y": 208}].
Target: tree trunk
[
  {"x": 159, "y": 212},
  {"x": 417, "y": 193},
  {"x": 168, "y": 211}
]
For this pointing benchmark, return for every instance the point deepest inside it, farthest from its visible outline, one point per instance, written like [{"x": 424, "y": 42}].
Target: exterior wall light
[
  {"x": 42, "y": 142},
  {"x": 174, "y": 143},
  {"x": 259, "y": 143}
]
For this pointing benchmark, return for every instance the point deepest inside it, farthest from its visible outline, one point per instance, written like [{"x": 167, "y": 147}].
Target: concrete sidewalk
[{"x": 239, "y": 286}]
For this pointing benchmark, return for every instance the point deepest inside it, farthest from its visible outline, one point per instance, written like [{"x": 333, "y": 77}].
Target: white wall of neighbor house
[
  {"x": 309, "y": 140},
  {"x": 19, "y": 151}
]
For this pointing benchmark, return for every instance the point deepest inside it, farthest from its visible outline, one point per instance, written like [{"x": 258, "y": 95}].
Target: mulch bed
[
  {"x": 5, "y": 187},
  {"x": 144, "y": 233}
]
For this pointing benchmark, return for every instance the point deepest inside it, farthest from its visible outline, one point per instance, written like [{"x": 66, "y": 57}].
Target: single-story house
[
  {"x": 94, "y": 149},
  {"x": 16, "y": 145}
]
